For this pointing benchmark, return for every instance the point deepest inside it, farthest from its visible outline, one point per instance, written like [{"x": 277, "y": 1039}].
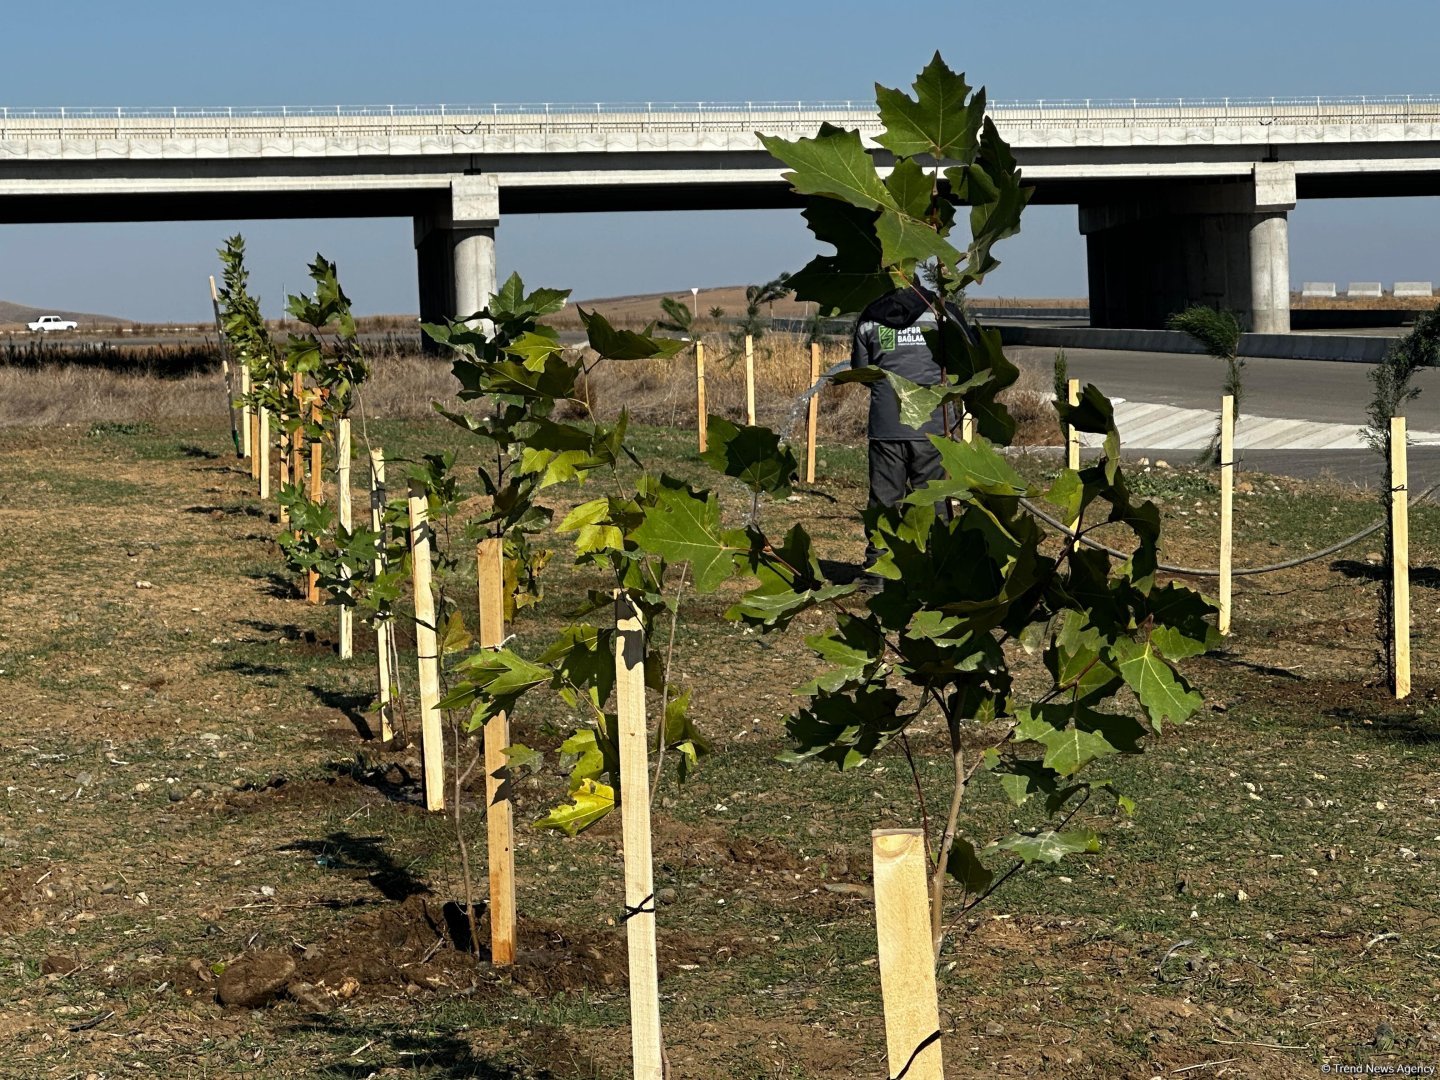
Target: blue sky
[{"x": 266, "y": 52}]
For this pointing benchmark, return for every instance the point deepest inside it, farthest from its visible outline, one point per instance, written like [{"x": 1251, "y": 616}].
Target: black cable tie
[
  {"x": 1399, "y": 487},
  {"x": 639, "y": 909},
  {"x": 1227, "y": 464},
  {"x": 934, "y": 1036}
]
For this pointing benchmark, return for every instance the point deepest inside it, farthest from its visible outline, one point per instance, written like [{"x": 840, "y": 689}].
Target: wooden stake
[
  {"x": 254, "y": 441},
  {"x": 1400, "y": 553},
  {"x": 700, "y": 420},
  {"x": 645, "y": 1037},
  {"x": 246, "y": 446},
  {"x": 382, "y": 626},
  {"x": 907, "y": 958},
  {"x": 1072, "y": 437},
  {"x": 967, "y": 427},
  {"x": 263, "y": 465},
  {"x": 297, "y": 437},
  {"x": 427, "y": 650},
  {"x": 347, "y": 522},
  {"x": 317, "y": 491},
  {"x": 1227, "y": 506},
  {"x": 282, "y": 455},
  {"x": 814, "y": 417},
  {"x": 749, "y": 380},
  {"x": 499, "y": 809}
]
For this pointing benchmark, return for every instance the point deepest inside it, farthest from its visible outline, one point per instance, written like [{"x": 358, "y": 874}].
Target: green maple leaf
[
  {"x": 590, "y": 801},
  {"x": 833, "y": 163},
  {"x": 1163, "y": 692},
  {"x": 941, "y": 120},
  {"x": 855, "y": 274},
  {"x": 976, "y": 466},
  {"x": 753, "y": 455},
  {"x": 615, "y": 344},
  {"x": 1181, "y": 622},
  {"x": 965, "y": 867},
  {"x": 533, "y": 347},
  {"x": 905, "y": 240},
  {"x": 1049, "y": 846},
  {"x": 492, "y": 681},
  {"x": 853, "y": 649},
  {"x": 1020, "y": 778},
  {"x": 912, "y": 188},
  {"x": 1069, "y": 750},
  {"x": 684, "y": 526}
]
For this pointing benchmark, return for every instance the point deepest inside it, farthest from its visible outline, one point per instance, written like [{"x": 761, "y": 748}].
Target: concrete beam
[{"x": 1157, "y": 248}]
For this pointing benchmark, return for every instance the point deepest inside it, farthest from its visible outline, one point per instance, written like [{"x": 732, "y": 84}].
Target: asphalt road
[
  {"x": 1328, "y": 392},
  {"x": 1334, "y": 393}
]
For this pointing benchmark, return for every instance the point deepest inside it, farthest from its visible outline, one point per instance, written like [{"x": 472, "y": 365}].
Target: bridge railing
[{"x": 210, "y": 121}]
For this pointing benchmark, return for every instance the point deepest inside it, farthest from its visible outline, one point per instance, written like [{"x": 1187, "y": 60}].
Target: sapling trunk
[
  {"x": 464, "y": 847},
  {"x": 947, "y": 839}
]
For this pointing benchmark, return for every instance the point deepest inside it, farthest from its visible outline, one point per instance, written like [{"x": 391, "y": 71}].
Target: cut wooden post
[
  {"x": 382, "y": 626},
  {"x": 254, "y": 440},
  {"x": 907, "y": 957},
  {"x": 263, "y": 465},
  {"x": 427, "y": 651},
  {"x": 645, "y": 1038},
  {"x": 282, "y": 461},
  {"x": 317, "y": 490},
  {"x": 749, "y": 380},
  {"x": 1227, "y": 506},
  {"x": 1072, "y": 435},
  {"x": 1072, "y": 438},
  {"x": 700, "y": 420},
  {"x": 347, "y": 522},
  {"x": 814, "y": 415},
  {"x": 499, "y": 809},
  {"x": 967, "y": 426},
  {"x": 297, "y": 437},
  {"x": 1400, "y": 553}
]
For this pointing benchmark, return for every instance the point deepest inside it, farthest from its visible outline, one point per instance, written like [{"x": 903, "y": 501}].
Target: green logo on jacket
[{"x": 887, "y": 338}]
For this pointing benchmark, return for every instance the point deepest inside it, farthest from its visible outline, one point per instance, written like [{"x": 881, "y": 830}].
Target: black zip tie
[
  {"x": 1399, "y": 487},
  {"x": 1227, "y": 464},
  {"x": 639, "y": 909},
  {"x": 934, "y": 1036}
]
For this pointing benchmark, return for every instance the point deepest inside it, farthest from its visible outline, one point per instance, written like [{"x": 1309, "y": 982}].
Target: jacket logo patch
[{"x": 887, "y": 338}]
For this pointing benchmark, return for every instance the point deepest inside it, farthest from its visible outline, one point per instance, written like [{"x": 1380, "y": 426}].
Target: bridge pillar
[
  {"x": 455, "y": 249},
  {"x": 1154, "y": 249}
]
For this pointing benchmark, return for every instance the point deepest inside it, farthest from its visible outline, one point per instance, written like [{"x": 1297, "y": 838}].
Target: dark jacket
[{"x": 890, "y": 335}]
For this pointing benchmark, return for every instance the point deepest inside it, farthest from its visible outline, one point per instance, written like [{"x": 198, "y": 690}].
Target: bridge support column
[
  {"x": 1154, "y": 249},
  {"x": 455, "y": 250}
]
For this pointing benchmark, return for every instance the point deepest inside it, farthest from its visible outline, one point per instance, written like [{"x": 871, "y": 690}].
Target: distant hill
[
  {"x": 17, "y": 315},
  {"x": 639, "y": 308}
]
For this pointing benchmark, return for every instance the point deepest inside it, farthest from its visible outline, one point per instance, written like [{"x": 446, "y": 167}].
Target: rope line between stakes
[{"x": 1192, "y": 571}]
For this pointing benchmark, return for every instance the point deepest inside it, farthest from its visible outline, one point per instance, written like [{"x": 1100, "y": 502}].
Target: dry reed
[{"x": 404, "y": 384}]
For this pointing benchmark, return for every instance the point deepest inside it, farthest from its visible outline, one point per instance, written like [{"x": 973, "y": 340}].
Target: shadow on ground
[{"x": 366, "y": 855}]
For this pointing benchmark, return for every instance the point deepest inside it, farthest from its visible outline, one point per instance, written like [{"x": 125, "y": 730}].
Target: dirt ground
[{"x": 207, "y": 869}]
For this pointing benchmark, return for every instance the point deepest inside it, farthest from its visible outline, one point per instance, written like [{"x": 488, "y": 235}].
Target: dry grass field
[{"x": 191, "y": 786}]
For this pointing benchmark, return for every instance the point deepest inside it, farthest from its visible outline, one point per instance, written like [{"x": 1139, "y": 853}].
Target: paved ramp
[{"x": 1167, "y": 427}]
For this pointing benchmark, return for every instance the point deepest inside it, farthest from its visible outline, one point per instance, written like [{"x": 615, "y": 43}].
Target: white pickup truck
[{"x": 52, "y": 322}]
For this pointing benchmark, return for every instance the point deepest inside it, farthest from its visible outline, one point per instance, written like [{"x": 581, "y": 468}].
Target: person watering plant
[{"x": 890, "y": 335}]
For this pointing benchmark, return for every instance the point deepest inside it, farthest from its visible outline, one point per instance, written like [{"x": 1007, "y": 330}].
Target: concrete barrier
[
  {"x": 1364, "y": 288},
  {"x": 1367, "y": 349},
  {"x": 1318, "y": 288},
  {"x": 1413, "y": 288}
]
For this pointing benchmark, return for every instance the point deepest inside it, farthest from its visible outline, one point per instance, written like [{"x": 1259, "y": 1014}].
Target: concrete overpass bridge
[{"x": 1181, "y": 201}]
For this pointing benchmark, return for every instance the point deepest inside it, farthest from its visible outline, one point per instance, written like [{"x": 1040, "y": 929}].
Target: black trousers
[{"x": 896, "y": 469}]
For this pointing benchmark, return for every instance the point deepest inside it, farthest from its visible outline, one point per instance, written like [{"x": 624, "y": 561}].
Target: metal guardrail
[{"x": 60, "y": 122}]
